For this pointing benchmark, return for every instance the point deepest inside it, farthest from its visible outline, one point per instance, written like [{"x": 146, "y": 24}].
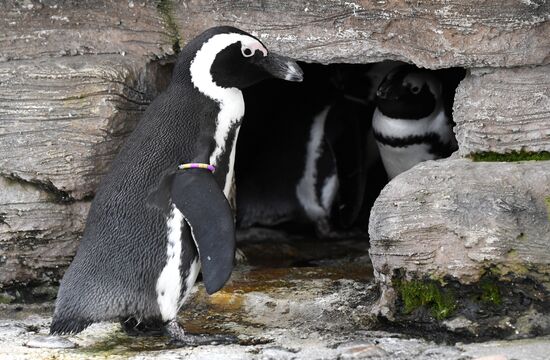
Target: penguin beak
[
  {"x": 281, "y": 67},
  {"x": 385, "y": 91}
]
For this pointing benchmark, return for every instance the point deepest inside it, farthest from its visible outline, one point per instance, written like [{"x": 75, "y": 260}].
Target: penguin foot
[
  {"x": 133, "y": 327},
  {"x": 240, "y": 256},
  {"x": 179, "y": 338}
]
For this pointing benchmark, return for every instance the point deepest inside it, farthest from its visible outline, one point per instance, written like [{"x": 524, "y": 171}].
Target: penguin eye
[
  {"x": 415, "y": 90},
  {"x": 247, "y": 52}
]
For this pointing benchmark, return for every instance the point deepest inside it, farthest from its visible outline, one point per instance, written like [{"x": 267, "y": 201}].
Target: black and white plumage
[
  {"x": 152, "y": 227},
  {"x": 412, "y": 121},
  {"x": 302, "y": 166}
]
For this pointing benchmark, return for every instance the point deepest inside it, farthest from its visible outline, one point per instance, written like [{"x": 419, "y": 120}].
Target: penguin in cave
[
  {"x": 412, "y": 121},
  {"x": 163, "y": 213}
]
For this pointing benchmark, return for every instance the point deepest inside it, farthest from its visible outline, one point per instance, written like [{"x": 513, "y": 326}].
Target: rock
[
  {"x": 461, "y": 324},
  {"x": 82, "y": 108},
  {"x": 480, "y": 228},
  {"x": 62, "y": 122},
  {"x": 38, "y": 234},
  {"x": 492, "y": 357},
  {"x": 361, "y": 351},
  {"x": 503, "y": 110},
  {"x": 74, "y": 28},
  {"x": 8, "y": 331},
  {"x": 50, "y": 342},
  {"x": 460, "y": 33},
  {"x": 277, "y": 353}
]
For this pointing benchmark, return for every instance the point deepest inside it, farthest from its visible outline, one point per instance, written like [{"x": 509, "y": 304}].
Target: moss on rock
[
  {"x": 414, "y": 294},
  {"x": 511, "y": 156}
]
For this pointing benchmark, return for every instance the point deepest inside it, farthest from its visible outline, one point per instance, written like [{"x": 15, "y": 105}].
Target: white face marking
[
  {"x": 248, "y": 49},
  {"x": 230, "y": 99},
  {"x": 168, "y": 286},
  {"x": 305, "y": 190}
]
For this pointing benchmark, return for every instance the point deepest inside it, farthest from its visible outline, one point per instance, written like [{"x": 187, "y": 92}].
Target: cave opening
[{"x": 310, "y": 163}]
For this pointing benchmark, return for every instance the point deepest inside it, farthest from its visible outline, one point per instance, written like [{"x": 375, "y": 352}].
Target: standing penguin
[
  {"x": 412, "y": 121},
  {"x": 154, "y": 222}
]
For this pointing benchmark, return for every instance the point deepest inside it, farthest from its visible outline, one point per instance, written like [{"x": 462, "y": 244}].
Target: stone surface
[
  {"x": 62, "y": 121},
  {"x": 460, "y": 220},
  {"x": 242, "y": 309},
  {"x": 34, "y": 29},
  {"x": 432, "y": 34},
  {"x": 503, "y": 110},
  {"x": 37, "y": 233}
]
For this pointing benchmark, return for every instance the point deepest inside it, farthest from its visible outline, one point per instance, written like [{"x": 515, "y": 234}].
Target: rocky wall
[{"x": 75, "y": 76}]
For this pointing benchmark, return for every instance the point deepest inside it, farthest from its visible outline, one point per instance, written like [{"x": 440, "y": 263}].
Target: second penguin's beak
[{"x": 281, "y": 67}]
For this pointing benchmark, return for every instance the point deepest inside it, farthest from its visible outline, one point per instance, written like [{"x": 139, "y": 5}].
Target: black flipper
[{"x": 197, "y": 195}]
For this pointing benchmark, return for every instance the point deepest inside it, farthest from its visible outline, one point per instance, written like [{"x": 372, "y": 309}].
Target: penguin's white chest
[
  {"x": 397, "y": 159},
  {"x": 172, "y": 288}
]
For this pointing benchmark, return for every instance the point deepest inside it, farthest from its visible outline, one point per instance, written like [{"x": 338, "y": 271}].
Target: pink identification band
[{"x": 212, "y": 168}]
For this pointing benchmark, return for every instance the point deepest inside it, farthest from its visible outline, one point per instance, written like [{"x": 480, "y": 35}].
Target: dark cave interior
[{"x": 307, "y": 165}]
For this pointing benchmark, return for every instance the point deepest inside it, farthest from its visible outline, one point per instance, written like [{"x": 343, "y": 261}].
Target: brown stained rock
[
  {"x": 430, "y": 34},
  {"x": 62, "y": 121},
  {"x": 503, "y": 110},
  {"x": 460, "y": 219}
]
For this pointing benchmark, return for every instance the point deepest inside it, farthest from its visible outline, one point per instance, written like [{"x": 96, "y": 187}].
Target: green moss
[
  {"x": 490, "y": 293},
  {"x": 165, "y": 8},
  {"x": 6, "y": 299},
  {"x": 429, "y": 294},
  {"x": 511, "y": 156}
]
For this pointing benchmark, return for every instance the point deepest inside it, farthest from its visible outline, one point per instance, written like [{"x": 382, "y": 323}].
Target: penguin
[
  {"x": 315, "y": 179},
  {"x": 412, "y": 121},
  {"x": 268, "y": 193},
  {"x": 162, "y": 213}
]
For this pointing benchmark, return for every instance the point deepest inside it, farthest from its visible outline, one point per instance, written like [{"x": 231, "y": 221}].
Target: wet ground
[{"x": 293, "y": 299}]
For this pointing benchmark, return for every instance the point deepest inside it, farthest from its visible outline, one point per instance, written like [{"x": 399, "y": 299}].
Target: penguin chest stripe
[{"x": 168, "y": 286}]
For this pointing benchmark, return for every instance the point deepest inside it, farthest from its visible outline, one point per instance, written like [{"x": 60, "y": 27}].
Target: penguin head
[
  {"x": 408, "y": 92},
  {"x": 226, "y": 57}
]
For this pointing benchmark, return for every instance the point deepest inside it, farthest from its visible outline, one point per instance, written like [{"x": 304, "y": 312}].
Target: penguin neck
[{"x": 227, "y": 122}]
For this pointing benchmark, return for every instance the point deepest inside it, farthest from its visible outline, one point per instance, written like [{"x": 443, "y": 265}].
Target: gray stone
[
  {"x": 50, "y": 342},
  {"x": 67, "y": 28},
  {"x": 462, "y": 220},
  {"x": 430, "y": 34},
  {"x": 62, "y": 121},
  {"x": 503, "y": 110}
]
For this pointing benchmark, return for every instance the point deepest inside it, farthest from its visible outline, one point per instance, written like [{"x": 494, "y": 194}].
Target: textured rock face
[
  {"x": 457, "y": 217},
  {"x": 75, "y": 76},
  {"x": 432, "y": 34},
  {"x": 503, "y": 110},
  {"x": 63, "y": 118},
  {"x": 458, "y": 220}
]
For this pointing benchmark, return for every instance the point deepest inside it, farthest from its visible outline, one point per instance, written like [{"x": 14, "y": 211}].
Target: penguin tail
[{"x": 65, "y": 326}]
